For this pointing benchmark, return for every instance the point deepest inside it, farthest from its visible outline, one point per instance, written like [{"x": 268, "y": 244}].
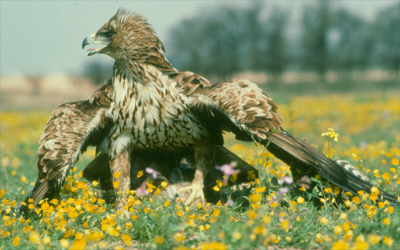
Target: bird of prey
[
  {"x": 72, "y": 127},
  {"x": 149, "y": 107},
  {"x": 151, "y": 112}
]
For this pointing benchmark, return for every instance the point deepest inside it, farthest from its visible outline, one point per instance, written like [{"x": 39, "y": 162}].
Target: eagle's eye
[{"x": 107, "y": 34}]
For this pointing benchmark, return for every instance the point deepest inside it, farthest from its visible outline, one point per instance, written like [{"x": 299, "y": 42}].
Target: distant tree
[
  {"x": 274, "y": 55},
  {"x": 387, "y": 30},
  {"x": 352, "y": 42},
  {"x": 97, "y": 72},
  {"x": 228, "y": 40},
  {"x": 314, "y": 41}
]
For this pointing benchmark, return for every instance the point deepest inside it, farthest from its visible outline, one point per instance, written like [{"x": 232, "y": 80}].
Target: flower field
[{"x": 360, "y": 128}]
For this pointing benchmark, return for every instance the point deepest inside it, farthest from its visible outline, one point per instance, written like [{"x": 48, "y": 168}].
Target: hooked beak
[{"x": 94, "y": 39}]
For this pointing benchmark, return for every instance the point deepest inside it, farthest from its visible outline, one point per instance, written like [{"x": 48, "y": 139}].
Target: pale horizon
[{"x": 45, "y": 37}]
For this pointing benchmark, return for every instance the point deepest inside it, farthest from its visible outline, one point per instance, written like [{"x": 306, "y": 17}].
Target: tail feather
[{"x": 304, "y": 158}]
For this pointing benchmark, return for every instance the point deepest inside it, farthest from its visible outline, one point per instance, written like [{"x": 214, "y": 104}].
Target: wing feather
[
  {"x": 71, "y": 128},
  {"x": 239, "y": 106}
]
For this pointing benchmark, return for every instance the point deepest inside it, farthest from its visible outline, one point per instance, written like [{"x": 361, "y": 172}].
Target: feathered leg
[
  {"x": 120, "y": 170},
  {"x": 204, "y": 161}
]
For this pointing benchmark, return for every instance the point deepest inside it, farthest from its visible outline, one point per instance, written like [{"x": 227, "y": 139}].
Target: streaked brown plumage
[
  {"x": 149, "y": 98},
  {"x": 238, "y": 106}
]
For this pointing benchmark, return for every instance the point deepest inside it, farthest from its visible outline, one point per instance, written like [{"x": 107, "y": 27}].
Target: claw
[{"x": 196, "y": 188}]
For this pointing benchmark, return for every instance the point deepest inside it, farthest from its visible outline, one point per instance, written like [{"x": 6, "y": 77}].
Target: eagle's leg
[
  {"x": 204, "y": 161},
  {"x": 120, "y": 170}
]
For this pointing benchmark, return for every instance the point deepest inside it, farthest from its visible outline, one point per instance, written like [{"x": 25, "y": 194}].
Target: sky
[{"x": 45, "y": 37}]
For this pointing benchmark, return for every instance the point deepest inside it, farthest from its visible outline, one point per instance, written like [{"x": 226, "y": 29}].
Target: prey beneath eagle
[{"x": 150, "y": 108}]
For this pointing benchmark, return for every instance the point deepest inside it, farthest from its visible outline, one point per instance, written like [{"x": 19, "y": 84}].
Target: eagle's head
[{"x": 126, "y": 36}]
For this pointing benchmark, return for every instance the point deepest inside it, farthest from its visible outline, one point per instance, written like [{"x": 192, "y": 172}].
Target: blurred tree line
[{"x": 228, "y": 40}]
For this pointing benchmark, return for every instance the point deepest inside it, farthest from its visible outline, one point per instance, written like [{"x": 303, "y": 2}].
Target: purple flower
[
  {"x": 285, "y": 179},
  {"x": 152, "y": 172},
  {"x": 230, "y": 203},
  {"x": 227, "y": 169},
  {"x": 283, "y": 190},
  {"x": 304, "y": 182},
  {"x": 142, "y": 189}
]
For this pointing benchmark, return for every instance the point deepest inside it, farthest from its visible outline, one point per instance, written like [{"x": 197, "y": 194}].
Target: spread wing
[
  {"x": 238, "y": 106},
  {"x": 71, "y": 128},
  {"x": 241, "y": 107}
]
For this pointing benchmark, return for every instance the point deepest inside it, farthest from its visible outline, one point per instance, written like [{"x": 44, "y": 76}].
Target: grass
[{"x": 369, "y": 138}]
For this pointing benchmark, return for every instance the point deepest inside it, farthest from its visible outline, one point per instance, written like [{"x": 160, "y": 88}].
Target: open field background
[
  {"x": 327, "y": 64},
  {"x": 368, "y": 124}
]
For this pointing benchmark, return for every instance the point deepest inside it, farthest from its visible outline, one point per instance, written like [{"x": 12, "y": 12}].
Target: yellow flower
[
  {"x": 64, "y": 243},
  {"x": 213, "y": 246},
  {"x": 285, "y": 225},
  {"x": 34, "y": 237},
  {"x": 386, "y": 176},
  {"x": 331, "y": 134},
  {"x": 356, "y": 199},
  {"x": 216, "y": 212},
  {"x": 116, "y": 184},
  {"x": 274, "y": 204},
  {"x": 337, "y": 229},
  {"x": 237, "y": 235},
  {"x": 395, "y": 161},
  {"x": 259, "y": 190},
  {"x": 374, "y": 190},
  {"x": 159, "y": 240},
  {"x": 164, "y": 184},
  {"x": 140, "y": 173},
  {"x": 373, "y": 196},
  {"x": 16, "y": 241},
  {"x": 117, "y": 174},
  {"x": 340, "y": 245},
  {"x": 298, "y": 219},
  {"x": 180, "y": 213},
  {"x": 252, "y": 214},
  {"x": 328, "y": 190},
  {"x": 260, "y": 230},
  {"x": 266, "y": 219},
  {"x": 387, "y": 241},
  {"x": 166, "y": 203},
  {"x": 374, "y": 239},
  {"x": 324, "y": 221},
  {"x": 127, "y": 239},
  {"x": 348, "y": 235},
  {"x": 79, "y": 244},
  {"x": 300, "y": 200},
  {"x": 179, "y": 237},
  {"x": 319, "y": 238},
  {"x": 386, "y": 221},
  {"x": 23, "y": 179}
]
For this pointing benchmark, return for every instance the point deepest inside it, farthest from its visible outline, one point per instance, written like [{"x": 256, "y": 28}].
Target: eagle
[
  {"x": 152, "y": 113},
  {"x": 73, "y": 127},
  {"x": 149, "y": 109}
]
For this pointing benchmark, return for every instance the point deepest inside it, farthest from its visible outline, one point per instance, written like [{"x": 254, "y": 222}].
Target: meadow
[{"x": 364, "y": 131}]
